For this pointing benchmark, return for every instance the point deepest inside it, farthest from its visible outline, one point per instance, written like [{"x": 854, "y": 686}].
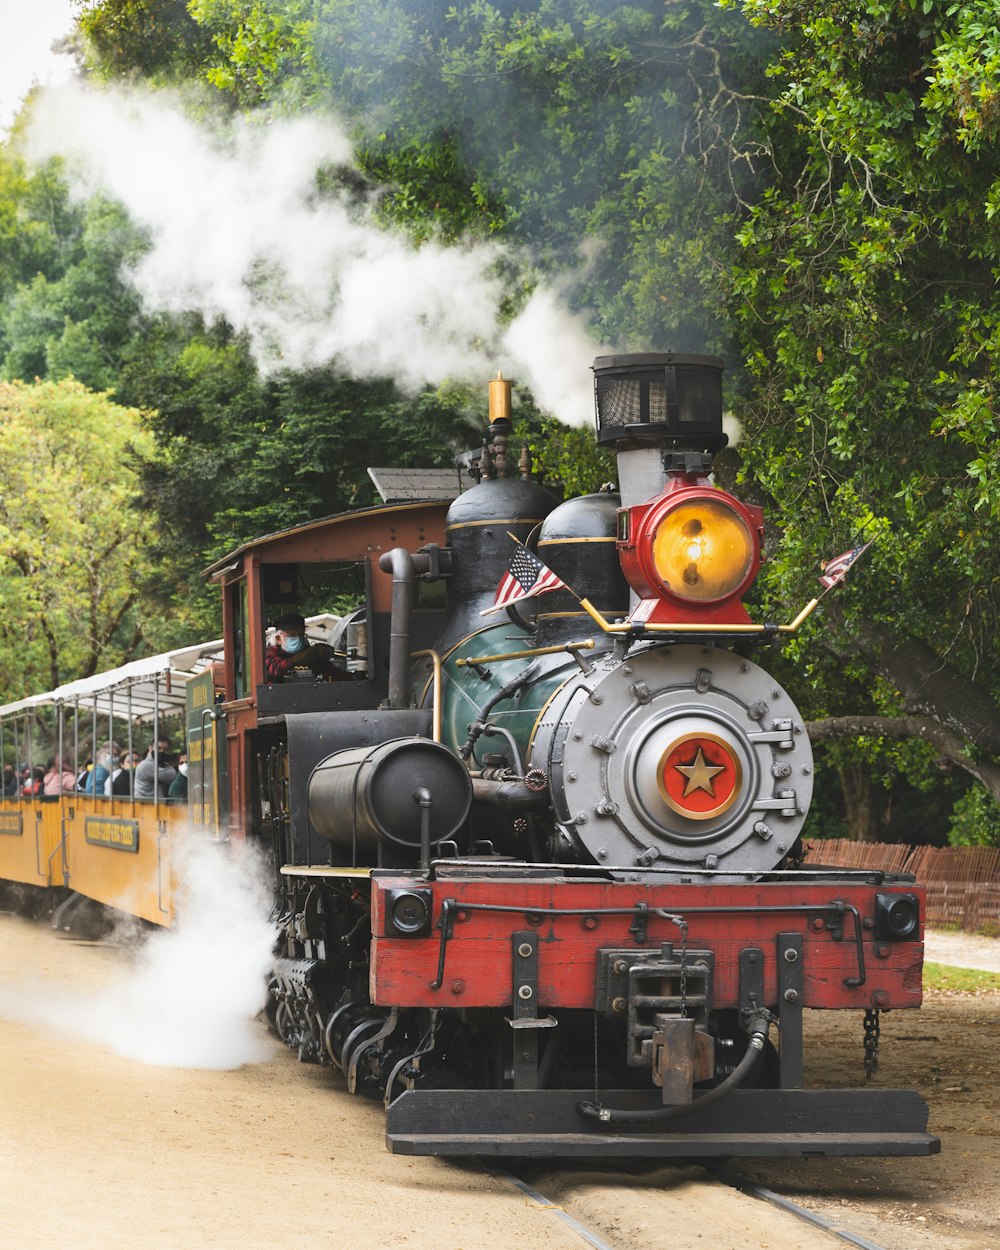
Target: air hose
[
  {"x": 481, "y": 723},
  {"x": 648, "y": 1115}
]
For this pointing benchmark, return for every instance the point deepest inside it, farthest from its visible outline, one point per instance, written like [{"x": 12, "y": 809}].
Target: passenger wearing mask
[
  {"x": 155, "y": 773},
  {"x": 101, "y": 771},
  {"x": 291, "y": 649},
  {"x": 179, "y": 786}
]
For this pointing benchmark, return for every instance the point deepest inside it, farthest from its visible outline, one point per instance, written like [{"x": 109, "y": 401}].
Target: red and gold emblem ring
[{"x": 699, "y": 776}]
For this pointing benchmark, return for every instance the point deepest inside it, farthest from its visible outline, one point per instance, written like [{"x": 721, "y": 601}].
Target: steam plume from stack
[{"x": 239, "y": 230}]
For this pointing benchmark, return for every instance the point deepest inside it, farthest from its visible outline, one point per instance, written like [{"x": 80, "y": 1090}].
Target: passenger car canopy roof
[{"x": 157, "y": 681}]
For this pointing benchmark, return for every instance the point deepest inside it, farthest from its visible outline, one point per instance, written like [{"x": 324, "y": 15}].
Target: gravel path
[{"x": 962, "y": 950}]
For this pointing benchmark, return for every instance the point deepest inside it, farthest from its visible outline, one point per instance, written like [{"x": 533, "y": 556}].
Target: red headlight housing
[{"x": 690, "y": 554}]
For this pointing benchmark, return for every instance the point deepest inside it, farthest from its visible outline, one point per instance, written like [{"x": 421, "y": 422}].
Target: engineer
[{"x": 291, "y": 649}]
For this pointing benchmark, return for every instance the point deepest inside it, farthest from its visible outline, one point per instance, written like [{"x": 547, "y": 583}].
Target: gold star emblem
[{"x": 699, "y": 774}]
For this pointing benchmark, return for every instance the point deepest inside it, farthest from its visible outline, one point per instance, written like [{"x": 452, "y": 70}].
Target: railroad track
[{"x": 700, "y": 1222}]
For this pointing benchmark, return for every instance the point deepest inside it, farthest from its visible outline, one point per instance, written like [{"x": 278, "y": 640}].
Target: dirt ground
[
  {"x": 950, "y": 1052},
  {"x": 101, "y": 1151}
]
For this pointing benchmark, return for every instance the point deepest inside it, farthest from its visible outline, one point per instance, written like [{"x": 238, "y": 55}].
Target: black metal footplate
[{"x": 796, "y": 1123}]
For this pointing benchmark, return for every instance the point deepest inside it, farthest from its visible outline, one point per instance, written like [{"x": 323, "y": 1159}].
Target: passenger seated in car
[{"x": 154, "y": 775}]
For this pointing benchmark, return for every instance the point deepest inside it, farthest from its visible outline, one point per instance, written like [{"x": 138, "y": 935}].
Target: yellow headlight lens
[{"x": 702, "y": 550}]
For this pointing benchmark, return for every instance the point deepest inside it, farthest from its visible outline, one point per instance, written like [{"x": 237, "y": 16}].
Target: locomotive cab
[{"x": 327, "y": 571}]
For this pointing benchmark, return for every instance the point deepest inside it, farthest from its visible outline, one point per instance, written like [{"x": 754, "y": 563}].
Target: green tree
[
  {"x": 39, "y": 229},
  {"x": 73, "y": 545},
  {"x": 151, "y": 39},
  {"x": 869, "y": 314},
  {"x": 76, "y": 318},
  {"x": 240, "y": 455}
]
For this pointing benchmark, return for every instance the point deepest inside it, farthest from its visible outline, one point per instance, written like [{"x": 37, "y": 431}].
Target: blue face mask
[{"x": 292, "y": 644}]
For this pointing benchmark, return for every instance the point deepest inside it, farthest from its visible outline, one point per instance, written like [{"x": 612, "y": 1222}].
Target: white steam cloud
[
  {"x": 191, "y": 997},
  {"x": 240, "y": 231}
]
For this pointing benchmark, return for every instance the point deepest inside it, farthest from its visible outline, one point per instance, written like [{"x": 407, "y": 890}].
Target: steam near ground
[
  {"x": 239, "y": 230},
  {"x": 192, "y": 994}
]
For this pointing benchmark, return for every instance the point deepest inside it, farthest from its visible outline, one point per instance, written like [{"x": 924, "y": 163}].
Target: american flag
[
  {"x": 835, "y": 570},
  {"x": 526, "y": 575}
]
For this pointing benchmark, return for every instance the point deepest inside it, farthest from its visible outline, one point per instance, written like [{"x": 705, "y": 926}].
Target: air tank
[{"x": 369, "y": 796}]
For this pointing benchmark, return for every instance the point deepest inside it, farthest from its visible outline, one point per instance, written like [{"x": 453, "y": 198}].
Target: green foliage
[
  {"x": 76, "y": 319},
  {"x": 39, "y": 229},
  {"x": 975, "y": 821},
  {"x": 151, "y": 39},
  {"x": 866, "y": 295},
  {"x": 240, "y": 455},
  {"x": 73, "y": 545},
  {"x": 567, "y": 459},
  {"x": 556, "y": 125}
]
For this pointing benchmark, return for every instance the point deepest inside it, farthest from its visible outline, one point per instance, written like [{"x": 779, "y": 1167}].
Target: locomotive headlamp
[
  {"x": 690, "y": 553},
  {"x": 702, "y": 551},
  {"x": 897, "y": 916}
]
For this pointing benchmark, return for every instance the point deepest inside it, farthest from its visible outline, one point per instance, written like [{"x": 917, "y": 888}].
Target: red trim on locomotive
[{"x": 723, "y": 918}]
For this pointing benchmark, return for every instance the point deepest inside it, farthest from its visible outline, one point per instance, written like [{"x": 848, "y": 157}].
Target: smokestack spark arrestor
[{"x": 663, "y": 398}]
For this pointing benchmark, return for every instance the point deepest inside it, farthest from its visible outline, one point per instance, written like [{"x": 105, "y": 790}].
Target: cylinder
[{"x": 367, "y": 795}]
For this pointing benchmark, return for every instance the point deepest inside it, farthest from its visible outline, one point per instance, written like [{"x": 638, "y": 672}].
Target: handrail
[
  {"x": 689, "y": 627},
  {"x": 587, "y": 644},
  {"x": 436, "y": 715}
]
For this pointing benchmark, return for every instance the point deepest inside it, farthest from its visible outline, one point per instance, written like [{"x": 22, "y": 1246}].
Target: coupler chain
[{"x": 872, "y": 1030}]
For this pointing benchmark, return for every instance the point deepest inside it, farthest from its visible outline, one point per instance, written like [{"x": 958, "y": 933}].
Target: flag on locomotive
[
  {"x": 526, "y": 576},
  {"x": 835, "y": 570}
]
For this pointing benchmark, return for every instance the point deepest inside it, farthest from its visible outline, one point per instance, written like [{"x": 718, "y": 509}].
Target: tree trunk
[
  {"x": 861, "y": 807},
  {"x": 929, "y": 685}
]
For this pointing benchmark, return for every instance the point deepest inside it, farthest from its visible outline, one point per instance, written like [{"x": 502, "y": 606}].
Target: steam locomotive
[{"x": 538, "y": 872}]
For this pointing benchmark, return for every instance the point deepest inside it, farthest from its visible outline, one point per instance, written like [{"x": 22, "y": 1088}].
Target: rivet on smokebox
[
  {"x": 619, "y": 1005},
  {"x": 458, "y": 987}
]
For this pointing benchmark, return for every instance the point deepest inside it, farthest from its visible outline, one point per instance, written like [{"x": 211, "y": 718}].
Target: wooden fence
[{"x": 963, "y": 882}]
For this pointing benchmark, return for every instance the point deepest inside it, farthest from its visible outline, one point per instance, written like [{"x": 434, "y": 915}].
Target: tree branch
[
  {"x": 949, "y": 746},
  {"x": 927, "y": 683}
]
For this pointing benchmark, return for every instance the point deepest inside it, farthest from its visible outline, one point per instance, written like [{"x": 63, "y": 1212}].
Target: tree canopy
[
  {"x": 868, "y": 309},
  {"x": 809, "y": 190},
  {"x": 73, "y": 547}
]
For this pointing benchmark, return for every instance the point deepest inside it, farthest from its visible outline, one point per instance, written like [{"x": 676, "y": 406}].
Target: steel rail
[{"x": 746, "y": 1186}]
